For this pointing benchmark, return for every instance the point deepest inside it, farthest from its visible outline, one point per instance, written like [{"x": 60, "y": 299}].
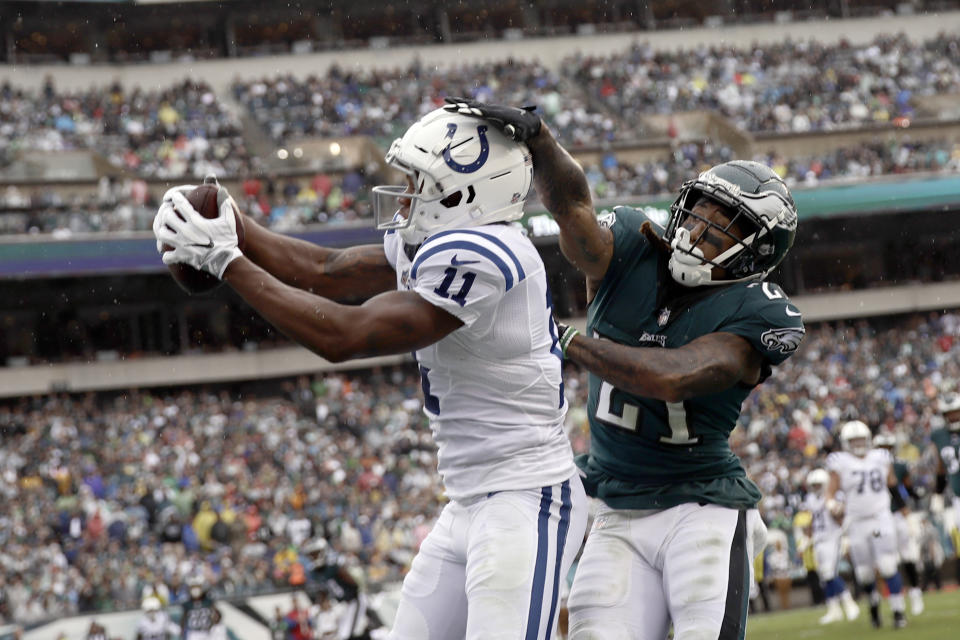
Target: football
[{"x": 205, "y": 200}]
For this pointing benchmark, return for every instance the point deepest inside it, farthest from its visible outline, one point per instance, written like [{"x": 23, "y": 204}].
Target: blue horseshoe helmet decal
[{"x": 476, "y": 164}]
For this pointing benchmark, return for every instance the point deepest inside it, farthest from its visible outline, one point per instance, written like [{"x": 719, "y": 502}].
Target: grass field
[{"x": 939, "y": 621}]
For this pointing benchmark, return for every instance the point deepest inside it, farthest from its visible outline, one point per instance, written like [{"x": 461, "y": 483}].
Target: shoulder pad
[{"x": 480, "y": 251}]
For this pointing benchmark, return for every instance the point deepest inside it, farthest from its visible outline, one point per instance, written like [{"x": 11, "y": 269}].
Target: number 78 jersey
[
  {"x": 863, "y": 482},
  {"x": 493, "y": 388},
  {"x": 649, "y": 454}
]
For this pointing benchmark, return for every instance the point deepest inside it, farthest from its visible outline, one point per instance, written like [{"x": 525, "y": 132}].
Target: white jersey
[
  {"x": 492, "y": 389},
  {"x": 822, "y": 525},
  {"x": 157, "y": 627},
  {"x": 863, "y": 482}
]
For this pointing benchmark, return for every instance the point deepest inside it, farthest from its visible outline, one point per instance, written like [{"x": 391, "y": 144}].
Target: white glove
[
  {"x": 157, "y": 220},
  {"x": 206, "y": 244}
]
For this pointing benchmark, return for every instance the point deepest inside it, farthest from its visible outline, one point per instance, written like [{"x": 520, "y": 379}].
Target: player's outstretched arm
[
  {"x": 389, "y": 323},
  {"x": 709, "y": 364},
  {"x": 558, "y": 179},
  {"x": 351, "y": 274},
  {"x": 564, "y": 191}
]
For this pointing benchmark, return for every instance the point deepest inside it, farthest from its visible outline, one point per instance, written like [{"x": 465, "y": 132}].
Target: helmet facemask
[
  {"x": 859, "y": 446},
  {"x": 949, "y": 407},
  {"x": 461, "y": 173}
]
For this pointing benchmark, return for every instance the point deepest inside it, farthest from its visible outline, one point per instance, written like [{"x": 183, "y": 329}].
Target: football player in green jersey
[
  {"x": 946, "y": 440},
  {"x": 681, "y": 326}
]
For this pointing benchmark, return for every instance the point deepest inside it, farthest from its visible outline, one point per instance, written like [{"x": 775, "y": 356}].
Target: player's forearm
[
  {"x": 313, "y": 321},
  {"x": 352, "y": 274},
  {"x": 557, "y": 177},
  {"x": 671, "y": 375},
  {"x": 564, "y": 191}
]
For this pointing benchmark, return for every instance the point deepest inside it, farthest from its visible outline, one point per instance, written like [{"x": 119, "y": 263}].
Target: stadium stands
[{"x": 156, "y": 486}]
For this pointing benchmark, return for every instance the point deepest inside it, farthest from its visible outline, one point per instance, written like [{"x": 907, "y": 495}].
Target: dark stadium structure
[{"x": 125, "y": 31}]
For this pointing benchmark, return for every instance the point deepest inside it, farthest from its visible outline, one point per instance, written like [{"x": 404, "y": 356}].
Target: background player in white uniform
[
  {"x": 155, "y": 623},
  {"x": 907, "y": 522},
  {"x": 827, "y": 536},
  {"x": 864, "y": 474},
  {"x": 472, "y": 301}
]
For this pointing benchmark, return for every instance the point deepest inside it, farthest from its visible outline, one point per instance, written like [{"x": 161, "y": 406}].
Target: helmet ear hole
[{"x": 452, "y": 200}]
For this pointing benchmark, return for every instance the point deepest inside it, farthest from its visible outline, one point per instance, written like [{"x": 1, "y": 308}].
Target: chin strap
[{"x": 686, "y": 262}]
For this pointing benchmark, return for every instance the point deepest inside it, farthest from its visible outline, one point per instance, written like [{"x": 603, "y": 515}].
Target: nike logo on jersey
[
  {"x": 791, "y": 312},
  {"x": 460, "y": 263}
]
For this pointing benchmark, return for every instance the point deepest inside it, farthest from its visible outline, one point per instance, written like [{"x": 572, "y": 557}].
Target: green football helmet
[{"x": 758, "y": 202}]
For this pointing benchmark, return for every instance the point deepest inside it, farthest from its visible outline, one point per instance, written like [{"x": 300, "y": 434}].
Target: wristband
[{"x": 567, "y": 334}]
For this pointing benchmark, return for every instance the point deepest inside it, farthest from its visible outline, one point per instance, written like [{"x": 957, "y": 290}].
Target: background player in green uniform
[
  {"x": 946, "y": 440},
  {"x": 682, "y": 327}
]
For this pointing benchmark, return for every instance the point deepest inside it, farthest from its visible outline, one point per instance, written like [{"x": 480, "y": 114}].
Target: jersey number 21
[{"x": 629, "y": 416}]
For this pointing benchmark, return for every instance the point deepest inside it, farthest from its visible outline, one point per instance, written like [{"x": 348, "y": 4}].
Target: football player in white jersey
[
  {"x": 155, "y": 623},
  {"x": 466, "y": 290},
  {"x": 863, "y": 475},
  {"x": 827, "y": 535},
  {"x": 907, "y": 522}
]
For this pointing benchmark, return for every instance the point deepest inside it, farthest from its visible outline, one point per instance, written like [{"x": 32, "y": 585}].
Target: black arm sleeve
[
  {"x": 941, "y": 483},
  {"x": 896, "y": 497}
]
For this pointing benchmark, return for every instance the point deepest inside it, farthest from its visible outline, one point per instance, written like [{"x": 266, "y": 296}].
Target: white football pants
[
  {"x": 907, "y": 543},
  {"x": 690, "y": 564},
  {"x": 826, "y": 552},
  {"x": 492, "y": 567},
  {"x": 873, "y": 547}
]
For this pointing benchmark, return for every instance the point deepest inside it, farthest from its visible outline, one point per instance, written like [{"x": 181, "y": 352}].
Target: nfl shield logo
[{"x": 664, "y": 317}]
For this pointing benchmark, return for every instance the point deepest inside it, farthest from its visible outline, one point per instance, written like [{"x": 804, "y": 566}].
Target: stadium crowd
[
  {"x": 182, "y": 130},
  {"x": 186, "y": 130},
  {"x": 794, "y": 87},
  {"x": 128, "y": 205},
  {"x": 382, "y": 103},
  {"x": 113, "y": 494},
  {"x": 287, "y": 204}
]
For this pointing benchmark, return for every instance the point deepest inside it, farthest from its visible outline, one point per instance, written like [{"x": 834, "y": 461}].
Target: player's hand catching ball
[
  {"x": 521, "y": 124},
  {"x": 207, "y": 244}
]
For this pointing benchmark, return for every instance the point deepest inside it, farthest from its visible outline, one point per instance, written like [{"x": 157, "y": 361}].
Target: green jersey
[
  {"x": 948, "y": 448},
  {"x": 649, "y": 454}
]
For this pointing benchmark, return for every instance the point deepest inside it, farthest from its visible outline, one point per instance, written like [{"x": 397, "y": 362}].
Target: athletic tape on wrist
[{"x": 566, "y": 338}]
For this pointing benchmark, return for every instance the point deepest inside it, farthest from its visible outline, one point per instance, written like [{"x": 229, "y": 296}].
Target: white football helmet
[
  {"x": 465, "y": 174},
  {"x": 949, "y": 407},
  {"x": 855, "y": 437},
  {"x": 885, "y": 440},
  {"x": 817, "y": 481}
]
